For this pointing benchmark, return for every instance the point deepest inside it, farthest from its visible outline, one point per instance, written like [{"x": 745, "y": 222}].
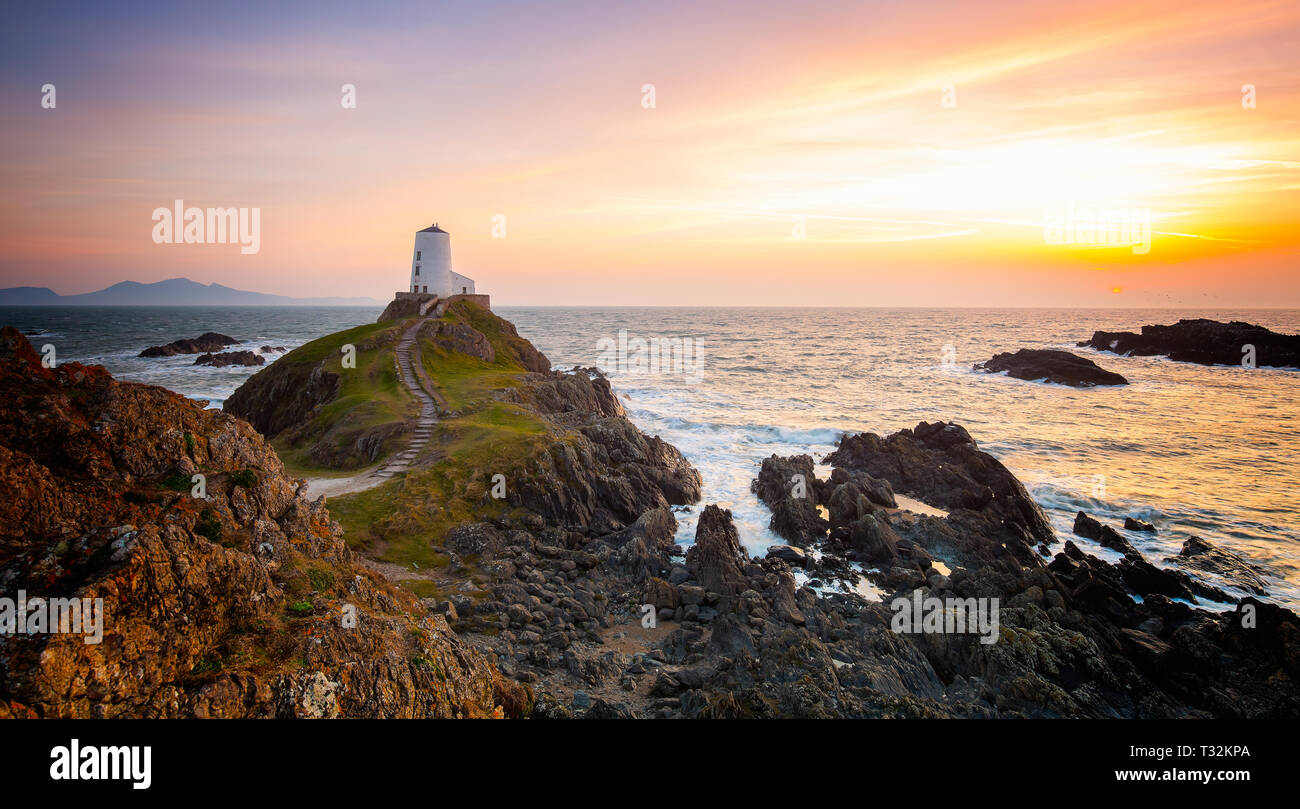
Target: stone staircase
[{"x": 407, "y": 370}]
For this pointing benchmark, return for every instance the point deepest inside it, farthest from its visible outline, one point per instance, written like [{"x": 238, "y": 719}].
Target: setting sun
[{"x": 933, "y": 151}]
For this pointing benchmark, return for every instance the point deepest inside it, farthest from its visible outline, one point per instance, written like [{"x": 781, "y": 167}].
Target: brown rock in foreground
[{"x": 243, "y": 604}]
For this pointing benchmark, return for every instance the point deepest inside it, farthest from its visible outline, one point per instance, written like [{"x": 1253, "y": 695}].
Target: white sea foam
[
  {"x": 1196, "y": 450},
  {"x": 1205, "y": 451}
]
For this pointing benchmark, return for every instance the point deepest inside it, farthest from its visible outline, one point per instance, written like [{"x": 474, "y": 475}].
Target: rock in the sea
[
  {"x": 1198, "y": 554},
  {"x": 1208, "y": 342},
  {"x": 207, "y": 342},
  {"x": 941, "y": 464},
  {"x": 231, "y": 358},
  {"x": 1051, "y": 365},
  {"x": 1134, "y": 524},
  {"x": 1091, "y": 528},
  {"x": 876, "y": 490},
  {"x": 873, "y": 539}
]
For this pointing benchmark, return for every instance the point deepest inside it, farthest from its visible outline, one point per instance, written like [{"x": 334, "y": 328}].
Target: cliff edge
[{"x": 244, "y": 602}]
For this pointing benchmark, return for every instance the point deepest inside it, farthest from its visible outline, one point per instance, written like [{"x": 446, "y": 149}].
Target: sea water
[{"x": 1197, "y": 450}]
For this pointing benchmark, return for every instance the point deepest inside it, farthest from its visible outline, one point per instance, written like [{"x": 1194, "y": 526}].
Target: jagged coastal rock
[
  {"x": 1208, "y": 342},
  {"x": 531, "y": 543},
  {"x": 207, "y": 342},
  {"x": 940, "y": 464},
  {"x": 782, "y": 485},
  {"x": 245, "y": 603},
  {"x": 1050, "y": 365},
  {"x": 1199, "y": 554},
  {"x": 226, "y": 358}
]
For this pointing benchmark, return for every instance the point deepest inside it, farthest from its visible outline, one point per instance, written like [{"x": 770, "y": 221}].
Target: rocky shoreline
[
  {"x": 566, "y": 596},
  {"x": 226, "y": 605}
]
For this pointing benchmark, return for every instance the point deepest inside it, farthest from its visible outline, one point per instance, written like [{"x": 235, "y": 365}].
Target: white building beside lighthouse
[{"x": 431, "y": 271}]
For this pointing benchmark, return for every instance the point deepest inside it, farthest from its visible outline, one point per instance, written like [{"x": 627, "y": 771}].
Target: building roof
[{"x": 432, "y": 229}]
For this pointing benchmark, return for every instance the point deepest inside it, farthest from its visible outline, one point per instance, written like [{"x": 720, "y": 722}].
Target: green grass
[
  {"x": 208, "y": 526},
  {"x": 177, "y": 483},
  {"x": 422, "y": 588},
  {"x": 329, "y": 347},
  {"x": 244, "y": 477},
  {"x": 370, "y": 395},
  {"x": 405, "y": 519},
  {"x": 321, "y": 576}
]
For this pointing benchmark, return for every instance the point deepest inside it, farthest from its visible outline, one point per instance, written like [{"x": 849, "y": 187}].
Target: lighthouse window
[
  {"x": 417, "y": 255},
  {"x": 417, "y": 269}
]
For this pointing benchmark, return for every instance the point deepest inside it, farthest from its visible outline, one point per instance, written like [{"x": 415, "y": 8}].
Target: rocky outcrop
[
  {"x": 1207, "y": 342},
  {"x": 737, "y": 637},
  {"x": 406, "y": 307},
  {"x": 226, "y": 358},
  {"x": 940, "y": 464},
  {"x": 716, "y": 557},
  {"x": 1198, "y": 554},
  {"x": 208, "y": 341},
  {"x": 1091, "y": 528},
  {"x": 285, "y": 395},
  {"x": 458, "y": 337},
  {"x": 605, "y": 472},
  {"x": 504, "y": 336},
  {"x": 850, "y": 494},
  {"x": 1050, "y": 365},
  {"x": 243, "y": 603},
  {"x": 790, "y": 489}
]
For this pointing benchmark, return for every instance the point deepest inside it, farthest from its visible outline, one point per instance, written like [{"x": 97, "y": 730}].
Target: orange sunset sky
[{"x": 924, "y": 144}]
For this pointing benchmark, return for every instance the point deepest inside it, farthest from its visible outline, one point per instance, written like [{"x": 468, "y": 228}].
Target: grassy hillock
[
  {"x": 324, "y": 419},
  {"x": 403, "y": 520}
]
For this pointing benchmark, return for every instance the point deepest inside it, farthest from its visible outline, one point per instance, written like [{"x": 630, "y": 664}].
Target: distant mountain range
[{"x": 172, "y": 292}]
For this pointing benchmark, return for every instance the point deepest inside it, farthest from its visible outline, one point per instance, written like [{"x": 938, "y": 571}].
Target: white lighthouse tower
[{"x": 431, "y": 271}]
